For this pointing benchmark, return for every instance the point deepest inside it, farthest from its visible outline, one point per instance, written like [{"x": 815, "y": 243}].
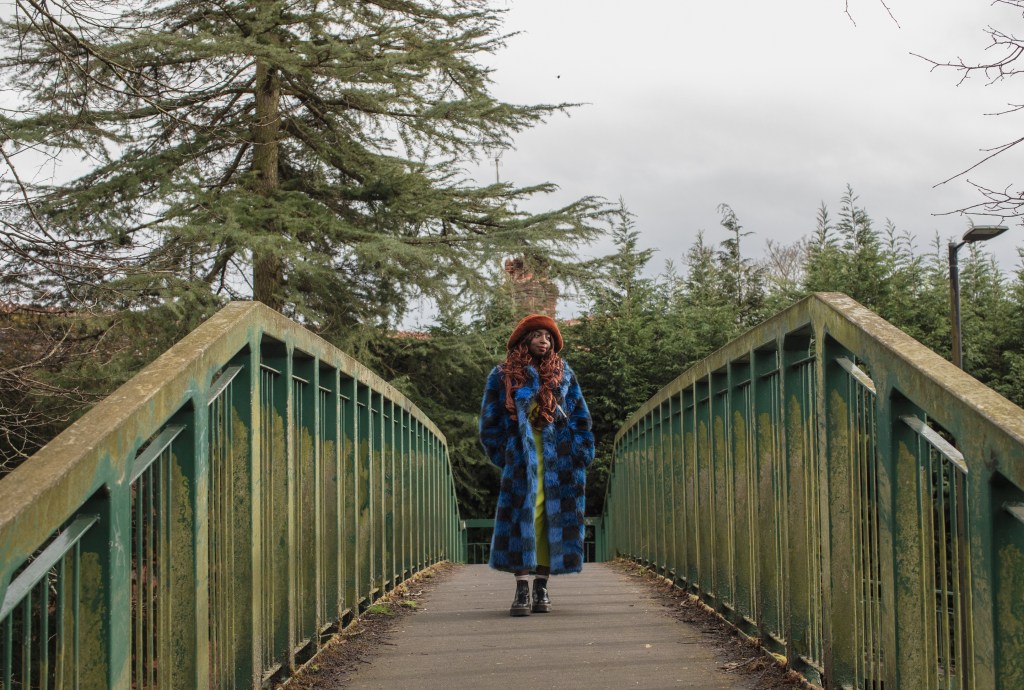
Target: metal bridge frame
[
  {"x": 842, "y": 493},
  {"x": 209, "y": 523}
]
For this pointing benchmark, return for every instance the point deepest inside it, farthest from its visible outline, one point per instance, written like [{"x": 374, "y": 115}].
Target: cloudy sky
[{"x": 771, "y": 107}]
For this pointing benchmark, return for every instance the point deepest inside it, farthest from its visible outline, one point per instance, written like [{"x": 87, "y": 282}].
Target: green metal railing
[
  {"x": 213, "y": 519},
  {"x": 476, "y": 541},
  {"x": 841, "y": 492}
]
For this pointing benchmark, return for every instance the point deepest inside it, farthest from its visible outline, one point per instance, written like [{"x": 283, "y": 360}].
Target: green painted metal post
[
  {"x": 104, "y": 640},
  {"x": 721, "y": 503},
  {"x": 704, "y": 497},
  {"x": 744, "y": 513},
  {"x": 350, "y": 495},
  {"x": 804, "y": 633},
  {"x": 302, "y": 514},
  {"x": 331, "y": 588},
  {"x": 691, "y": 526},
  {"x": 663, "y": 490},
  {"x": 364, "y": 506},
  {"x": 678, "y": 481}
]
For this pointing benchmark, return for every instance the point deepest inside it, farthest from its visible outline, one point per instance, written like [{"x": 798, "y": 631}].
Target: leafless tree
[
  {"x": 1007, "y": 50},
  {"x": 784, "y": 265}
]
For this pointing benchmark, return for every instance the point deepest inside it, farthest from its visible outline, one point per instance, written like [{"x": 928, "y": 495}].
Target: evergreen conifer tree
[
  {"x": 310, "y": 154},
  {"x": 622, "y": 348}
]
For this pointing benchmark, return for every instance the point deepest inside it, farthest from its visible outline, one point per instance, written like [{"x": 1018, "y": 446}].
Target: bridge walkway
[{"x": 607, "y": 630}]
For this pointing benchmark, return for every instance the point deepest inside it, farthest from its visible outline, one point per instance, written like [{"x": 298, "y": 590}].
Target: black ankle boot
[
  {"x": 541, "y": 601},
  {"x": 521, "y": 604}
]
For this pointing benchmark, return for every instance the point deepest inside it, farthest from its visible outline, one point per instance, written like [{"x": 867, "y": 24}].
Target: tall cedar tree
[{"x": 307, "y": 153}]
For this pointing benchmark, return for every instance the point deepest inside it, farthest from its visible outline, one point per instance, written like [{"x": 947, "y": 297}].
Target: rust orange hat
[{"x": 535, "y": 322}]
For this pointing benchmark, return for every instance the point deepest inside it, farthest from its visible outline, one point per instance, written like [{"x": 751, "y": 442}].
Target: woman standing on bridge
[{"x": 535, "y": 426}]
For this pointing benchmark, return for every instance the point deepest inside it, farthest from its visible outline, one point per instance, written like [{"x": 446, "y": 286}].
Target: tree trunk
[{"x": 267, "y": 265}]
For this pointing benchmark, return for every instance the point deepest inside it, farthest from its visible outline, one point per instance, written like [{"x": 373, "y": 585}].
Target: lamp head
[{"x": 980, "y": 233}]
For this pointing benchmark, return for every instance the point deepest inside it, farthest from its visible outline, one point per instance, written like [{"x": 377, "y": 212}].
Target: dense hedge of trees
[{"x": 639, "y": 332}]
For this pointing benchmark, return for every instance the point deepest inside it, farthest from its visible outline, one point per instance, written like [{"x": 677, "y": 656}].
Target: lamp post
[{"x": 977, "y": 233}]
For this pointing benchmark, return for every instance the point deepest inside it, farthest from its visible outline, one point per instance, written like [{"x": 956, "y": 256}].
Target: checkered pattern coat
[{"x": 568, "y": 444}]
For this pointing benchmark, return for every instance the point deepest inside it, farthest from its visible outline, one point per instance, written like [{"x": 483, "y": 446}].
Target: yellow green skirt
[{"x": 540, "y": 521}]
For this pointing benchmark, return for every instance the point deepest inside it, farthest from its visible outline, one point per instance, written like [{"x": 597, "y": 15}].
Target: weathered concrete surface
[{"x": 606, "y": 631}]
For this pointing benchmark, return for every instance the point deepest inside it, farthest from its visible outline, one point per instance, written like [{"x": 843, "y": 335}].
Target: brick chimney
[{"x": 532, "y": 291}]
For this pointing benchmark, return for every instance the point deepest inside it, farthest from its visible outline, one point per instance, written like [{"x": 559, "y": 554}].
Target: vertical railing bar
[
  {"x": 76, "y": 592},
  {"x": 266, "y": 516},
  {"x": 44, "y": 634},
  {"x": 730, "y": 494},
  {"x": 781, "y": 480},
  {"x": 407, "y": 552},
  {"x": 141, "y": 564},
  {"x": 59, "y": 672},
  {"x": 215, "y": 492},
  {"x": 320, "y": 510},
  {"x": 856, "y": 515},
  {"x": 214, "y": 523},
  {"x": 150, "y": 526},
  {"x": 944, "y": 570},
  {"x": 8, "y": 650},
  {"x": 867, "y": 534},
  {"x": 964, "y": 580},
  {"x": 812, "y": 443},
  {"x": 341, "y": 453},
  {"x": 233, "y": 581},
  {"x": 809, "y": 482},
  {"x": 265, "y": 635},
  {"x": 876, "y": 588},
  {"x": 956, "y": 640},
  {"x": 26, "y": 641},
  {"x": 861, "y": 441},
  {"x": 753, "y": 502},
  {"x": 225, "y": 539},
  {"x": 874, "y": 603},
  {"x": 136, "y": 491},
  {"x": 166, "y": 527},
  {"x": 858, "y": 532},
  {"x": 926, "y": 519},
  {"x": 296, "y": 565}
]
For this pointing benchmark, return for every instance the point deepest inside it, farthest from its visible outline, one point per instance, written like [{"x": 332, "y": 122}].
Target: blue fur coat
[{"x": 568, "y": 444}]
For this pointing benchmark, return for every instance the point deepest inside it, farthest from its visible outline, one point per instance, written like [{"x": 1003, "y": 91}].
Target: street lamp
[{"x": 977, "y": 233}]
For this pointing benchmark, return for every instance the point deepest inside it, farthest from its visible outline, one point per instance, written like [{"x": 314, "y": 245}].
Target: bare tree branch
[{"x": 888, "y": 10}]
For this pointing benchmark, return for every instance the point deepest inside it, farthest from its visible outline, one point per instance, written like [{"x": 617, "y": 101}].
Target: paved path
[{"x": 605, "y": 631}]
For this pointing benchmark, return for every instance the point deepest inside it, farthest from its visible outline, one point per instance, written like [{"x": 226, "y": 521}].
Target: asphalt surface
[{"x": 606, "y": 630}]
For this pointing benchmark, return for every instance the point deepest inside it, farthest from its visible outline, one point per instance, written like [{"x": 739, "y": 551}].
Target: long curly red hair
[{"x": 549, "y": 368}]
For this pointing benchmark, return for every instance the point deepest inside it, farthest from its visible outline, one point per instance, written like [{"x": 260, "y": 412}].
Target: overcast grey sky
[{"x": 771, "y": 107}]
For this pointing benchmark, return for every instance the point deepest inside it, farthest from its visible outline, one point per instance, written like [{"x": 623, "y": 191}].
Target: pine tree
[
  {"x": 743, "y": 279},
  {"x": 622, "y": 349},
  {"x": 1011, "y": 381},
  {"x": 823, "y": 257},
  {"x": 863, "y": 273},
  {"x": 985, "y": 313},
  {"x": 310, "y": 153}
]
